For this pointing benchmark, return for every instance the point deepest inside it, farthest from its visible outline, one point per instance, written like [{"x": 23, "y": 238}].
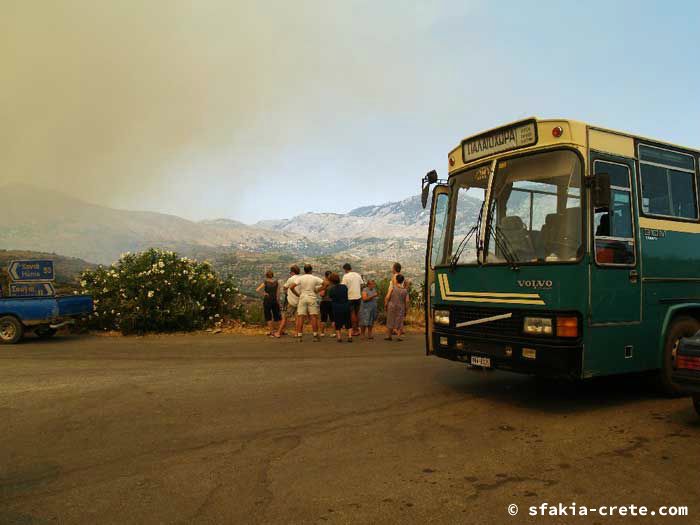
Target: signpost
[
  {"x": 31, "y": 271},
  {"x": 32, "y": 290},
  {"x": 31, "y": 278}
]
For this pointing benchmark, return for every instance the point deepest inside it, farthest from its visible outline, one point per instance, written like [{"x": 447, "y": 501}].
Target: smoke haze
[{"x": 220, "y": 108}]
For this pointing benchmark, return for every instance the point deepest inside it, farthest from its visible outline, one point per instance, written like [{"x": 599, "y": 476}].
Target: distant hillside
[
  {"x": 50, "y": 222},
  {"x": 404, "y": 219},
  {"x": 35, "y": 219},
  {"x": 249, "y": 268}
]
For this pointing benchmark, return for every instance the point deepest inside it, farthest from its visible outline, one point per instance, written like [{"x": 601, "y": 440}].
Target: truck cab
[{"x": 41, "y": 315}]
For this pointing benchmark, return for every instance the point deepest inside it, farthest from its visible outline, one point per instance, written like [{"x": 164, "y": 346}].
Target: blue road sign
[
  {"x": 32, "y": 290},
  {"x": 31, "y": 270}
]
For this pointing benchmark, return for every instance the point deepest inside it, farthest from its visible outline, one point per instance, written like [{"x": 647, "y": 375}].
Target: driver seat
[{"x": 517, "y": 237}]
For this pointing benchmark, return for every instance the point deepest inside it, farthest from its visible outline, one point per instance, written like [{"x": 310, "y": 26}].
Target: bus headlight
[
  {"x": 538, "y": 326},
  {"x": 441, "y": 317}
]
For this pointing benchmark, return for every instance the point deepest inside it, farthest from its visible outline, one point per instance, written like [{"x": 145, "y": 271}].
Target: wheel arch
[
  {"x": 689, "y": 309},
  {"x": 11, "y": 314}
]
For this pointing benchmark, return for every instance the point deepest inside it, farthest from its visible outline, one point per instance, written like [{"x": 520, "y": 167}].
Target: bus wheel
[
  {"x": 680, "y": 327},
  {"x": 11, "y": 330},
  {"x": 696, "y": 403}
]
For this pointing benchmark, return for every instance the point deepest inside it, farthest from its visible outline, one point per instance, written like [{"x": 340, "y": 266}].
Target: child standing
[
  {"x": 341, "y": 307},
  {"x": 368, "y": 309}
]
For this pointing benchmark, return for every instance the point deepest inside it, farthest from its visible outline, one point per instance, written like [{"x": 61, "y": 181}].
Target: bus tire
[
  {"x": 696, "y": 403},
  {"x": 682, "y": 326},
  {"x": 11, "y": 330}
]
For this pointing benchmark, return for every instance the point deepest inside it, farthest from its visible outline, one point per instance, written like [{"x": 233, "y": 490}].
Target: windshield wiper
[
  {"x": 501, "y": 241},
  {"x": 504, "y": 245},
  {"x": 465, "y": 240}
]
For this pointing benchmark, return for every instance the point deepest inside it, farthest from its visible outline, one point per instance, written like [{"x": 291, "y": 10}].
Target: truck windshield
[{"x": 535, "y": 210}]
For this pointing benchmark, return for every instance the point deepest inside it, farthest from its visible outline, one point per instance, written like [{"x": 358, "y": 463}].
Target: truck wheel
[
  {"x": 680, "y": 327},
  {"x": 696, "y": 403},
  {"x": 11, "y": 330},
  {"x": 44, "y": 332}
]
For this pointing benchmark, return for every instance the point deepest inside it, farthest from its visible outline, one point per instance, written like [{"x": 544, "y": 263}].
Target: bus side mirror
[
  {"x": 430, "y": 178},
  {"x": 600, "y": 190}
]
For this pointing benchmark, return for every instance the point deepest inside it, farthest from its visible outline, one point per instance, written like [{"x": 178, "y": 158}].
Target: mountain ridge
[{"x": 42, "y": 220}]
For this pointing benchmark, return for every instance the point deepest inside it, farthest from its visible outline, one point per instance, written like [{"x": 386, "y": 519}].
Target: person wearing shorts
[
  {"x": 306, "y": 289},
  {"x": 290, "y": 310},
  {"x": 291, "y": 301}
]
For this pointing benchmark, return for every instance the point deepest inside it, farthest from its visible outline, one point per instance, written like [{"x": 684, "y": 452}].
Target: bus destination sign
[{"x": 504, "y": 139}]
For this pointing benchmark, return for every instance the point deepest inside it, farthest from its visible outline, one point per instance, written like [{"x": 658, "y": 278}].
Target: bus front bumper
[{"x": 522, "y": 356}]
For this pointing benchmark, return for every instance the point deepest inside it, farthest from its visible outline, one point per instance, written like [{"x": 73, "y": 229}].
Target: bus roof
[{"x": 577, "y": 135}]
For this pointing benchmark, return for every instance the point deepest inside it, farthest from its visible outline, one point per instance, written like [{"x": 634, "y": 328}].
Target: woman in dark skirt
[
  {"x": 341, "y": 307},
  {"x": 269, "y": 289}
]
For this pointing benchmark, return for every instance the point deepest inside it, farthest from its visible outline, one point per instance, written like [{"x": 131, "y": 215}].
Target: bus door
[
  {"x": 615, "y": 283},
  {"x": 435, "y": 254}
]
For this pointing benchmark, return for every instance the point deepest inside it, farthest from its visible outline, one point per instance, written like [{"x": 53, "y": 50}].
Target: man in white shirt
[
  {"x": 354, "y": 282},
  {"x": 306, "y": 289},
  {"x": 290, "y": 308}
]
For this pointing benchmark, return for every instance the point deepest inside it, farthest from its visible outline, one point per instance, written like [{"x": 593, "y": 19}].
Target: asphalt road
[{"x": 231, "y": 429}]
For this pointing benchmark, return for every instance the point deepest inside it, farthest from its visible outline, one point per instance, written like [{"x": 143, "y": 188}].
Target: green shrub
[
  {"x": 382, "y": 290},
  {"x": 159, "y": 291},
  {"x": 254, "y": 313}
]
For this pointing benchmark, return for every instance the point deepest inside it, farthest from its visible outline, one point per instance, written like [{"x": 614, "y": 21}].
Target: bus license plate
[{"x": 484, "y": 362}]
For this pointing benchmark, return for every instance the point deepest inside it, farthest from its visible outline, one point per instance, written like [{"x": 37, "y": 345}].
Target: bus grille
[{"x": 507, "y": 327}]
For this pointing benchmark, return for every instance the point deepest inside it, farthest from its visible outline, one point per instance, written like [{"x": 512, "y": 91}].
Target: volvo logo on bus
[{"x": 536, "y": 284}]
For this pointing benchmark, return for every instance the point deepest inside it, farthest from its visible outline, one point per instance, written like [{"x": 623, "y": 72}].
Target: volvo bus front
[{"x": 506, "y": 277}]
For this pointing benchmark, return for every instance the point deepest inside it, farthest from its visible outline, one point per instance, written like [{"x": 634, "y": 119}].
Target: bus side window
[
  {"x": 614, "y": 234},
  {"x": 668, "y": 183}
]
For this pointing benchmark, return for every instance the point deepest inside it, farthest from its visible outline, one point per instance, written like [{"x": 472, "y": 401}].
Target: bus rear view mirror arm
[{"x": 600, "y": 190}]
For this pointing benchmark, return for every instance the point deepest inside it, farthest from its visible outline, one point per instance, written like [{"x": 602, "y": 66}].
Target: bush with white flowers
[{"x": 159, "y": 291}]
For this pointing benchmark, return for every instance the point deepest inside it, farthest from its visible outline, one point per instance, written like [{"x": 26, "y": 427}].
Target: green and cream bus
[{"x": 563, "y": 249}]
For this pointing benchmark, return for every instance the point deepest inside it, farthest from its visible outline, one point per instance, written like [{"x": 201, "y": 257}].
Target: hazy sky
[{"x": 254, "y": 110}]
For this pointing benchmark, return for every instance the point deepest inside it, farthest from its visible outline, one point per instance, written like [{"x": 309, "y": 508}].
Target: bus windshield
[
  {"x": 468, "y": 193},
  {"x": 535, "y": 209}
]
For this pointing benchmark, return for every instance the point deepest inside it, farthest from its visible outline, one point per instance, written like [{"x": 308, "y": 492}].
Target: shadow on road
[
  {"x": 60, "y": 338},
  {"x": 544, "y": 395}
]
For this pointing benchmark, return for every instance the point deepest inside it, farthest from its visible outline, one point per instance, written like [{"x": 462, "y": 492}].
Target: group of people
[{"x": 333, "y": 303}]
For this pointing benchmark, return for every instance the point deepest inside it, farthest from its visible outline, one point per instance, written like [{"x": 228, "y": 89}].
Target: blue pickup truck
[
  {"x": 687, "y": 370},
  {"x": 41, "y": 315}
]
